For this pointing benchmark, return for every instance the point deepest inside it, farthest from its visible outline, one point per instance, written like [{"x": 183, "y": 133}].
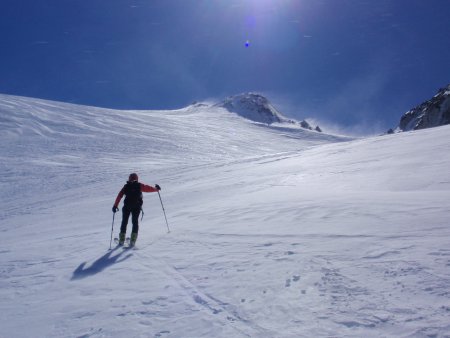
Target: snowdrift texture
[
  {"x": 432, "y": 113},
  {"x": 275, "y": 231}
]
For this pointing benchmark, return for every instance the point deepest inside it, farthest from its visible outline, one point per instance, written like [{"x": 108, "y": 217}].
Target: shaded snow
[{"x": 276, "y": 232}]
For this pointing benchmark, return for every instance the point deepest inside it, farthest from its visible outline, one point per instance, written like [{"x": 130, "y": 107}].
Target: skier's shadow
[{"x": 100, "y": 264}]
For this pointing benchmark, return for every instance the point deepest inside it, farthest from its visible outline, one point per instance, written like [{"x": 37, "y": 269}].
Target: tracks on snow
[{"x": 227, "y": 314}]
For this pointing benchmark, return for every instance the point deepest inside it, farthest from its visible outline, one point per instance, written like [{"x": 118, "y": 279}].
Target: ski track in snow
[
  {"x": 276, "y": 232},
  {"x": 332, "y": 286}
]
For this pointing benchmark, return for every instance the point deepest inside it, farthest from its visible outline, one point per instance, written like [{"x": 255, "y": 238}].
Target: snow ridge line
[{"x": 227, "y": 313}]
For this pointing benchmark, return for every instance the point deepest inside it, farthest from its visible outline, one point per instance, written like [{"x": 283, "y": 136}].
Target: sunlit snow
[{"x": 275, "y": 231}]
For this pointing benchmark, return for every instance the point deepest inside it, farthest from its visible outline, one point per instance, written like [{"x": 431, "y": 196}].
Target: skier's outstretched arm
[{"x": 149, "y": 188}]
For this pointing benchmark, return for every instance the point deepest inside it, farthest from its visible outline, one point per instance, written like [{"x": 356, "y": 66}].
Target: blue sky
[{"x": 354, "y": 64}]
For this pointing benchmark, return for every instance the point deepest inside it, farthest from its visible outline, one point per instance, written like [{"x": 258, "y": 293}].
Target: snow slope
[{"x": 275, "y": 232}]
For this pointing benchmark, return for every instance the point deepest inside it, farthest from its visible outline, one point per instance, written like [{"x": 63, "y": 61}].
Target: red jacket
[{"x": 144, "y": 188}]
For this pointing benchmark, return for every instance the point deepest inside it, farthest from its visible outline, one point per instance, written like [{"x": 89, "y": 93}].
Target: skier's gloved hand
[
  {"x": 115, "y": 209},
  {"x": 157, "y": 187}
]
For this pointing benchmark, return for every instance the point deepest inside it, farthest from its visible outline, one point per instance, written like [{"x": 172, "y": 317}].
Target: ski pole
[
  {"x": 164, "y": 211},
  {"x": 112, "y": 229}
]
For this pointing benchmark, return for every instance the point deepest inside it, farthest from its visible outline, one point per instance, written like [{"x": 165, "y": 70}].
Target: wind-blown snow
[
  {"x": 256, "y": 107},
  {"x": 275, "y": 232}
]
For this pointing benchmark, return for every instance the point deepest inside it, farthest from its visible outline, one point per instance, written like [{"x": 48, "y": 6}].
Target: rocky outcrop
[{"x": 432, "y": 113}]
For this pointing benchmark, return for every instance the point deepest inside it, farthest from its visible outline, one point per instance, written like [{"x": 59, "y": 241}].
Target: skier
[{"x": 132, "y": 205}]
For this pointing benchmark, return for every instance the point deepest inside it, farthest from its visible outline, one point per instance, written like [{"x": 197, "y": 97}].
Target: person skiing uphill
[{"x": 132, "y": 204}]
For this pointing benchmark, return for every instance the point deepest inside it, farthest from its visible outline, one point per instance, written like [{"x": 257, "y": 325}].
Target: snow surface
[{"x": 275, "y": 232}]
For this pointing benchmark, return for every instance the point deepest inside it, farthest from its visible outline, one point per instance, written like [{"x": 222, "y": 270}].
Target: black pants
[{"x": 134, "y": 219}]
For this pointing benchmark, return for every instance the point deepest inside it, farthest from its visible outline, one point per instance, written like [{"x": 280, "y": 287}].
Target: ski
[{"x": 126, "y": 244}]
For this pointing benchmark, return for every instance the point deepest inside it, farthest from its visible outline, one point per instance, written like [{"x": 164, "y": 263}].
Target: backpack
[{"x": 133, "y": 195}]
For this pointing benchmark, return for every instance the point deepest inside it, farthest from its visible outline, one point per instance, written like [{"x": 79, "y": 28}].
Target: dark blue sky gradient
[{"x": 358, "y": 64}]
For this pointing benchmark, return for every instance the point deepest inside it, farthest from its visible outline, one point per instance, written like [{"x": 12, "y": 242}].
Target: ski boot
[
  {"x": 133, "y": 238},
  {"x": 121, "y": 238}
]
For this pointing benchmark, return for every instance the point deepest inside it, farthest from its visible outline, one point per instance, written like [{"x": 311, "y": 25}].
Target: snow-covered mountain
[
  {"x": 257, "y": 108},
  {"x": 53, "y": 136},
  {"x": 276, "y": 231},
  {"x": 431, "y": 113}
]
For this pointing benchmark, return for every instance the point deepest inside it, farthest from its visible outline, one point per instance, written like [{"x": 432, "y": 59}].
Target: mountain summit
[
  {"x": 257, "y": 108},
  {"x": 432, "y": 113}
]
